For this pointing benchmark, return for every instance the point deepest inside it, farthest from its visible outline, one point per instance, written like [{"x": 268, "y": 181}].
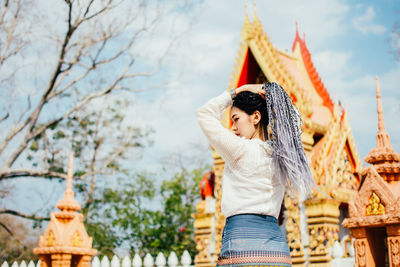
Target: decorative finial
[
  {"x": 68, "y": 203},
  {"x": 246, "y": 15},
  {"x": 255, "y": 9},
  {"x": 304, "y": 37},
  {"x": 70, "y": 172},
  {"x": 297, "y": 27},
  {"x": 381, "y": 123}
]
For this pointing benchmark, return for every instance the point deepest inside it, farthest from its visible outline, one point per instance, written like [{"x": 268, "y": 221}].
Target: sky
[{"x": 349, "y": 42}]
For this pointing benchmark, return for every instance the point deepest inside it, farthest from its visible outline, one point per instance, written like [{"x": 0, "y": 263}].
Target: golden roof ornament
[{"x": 247, "y": 27}]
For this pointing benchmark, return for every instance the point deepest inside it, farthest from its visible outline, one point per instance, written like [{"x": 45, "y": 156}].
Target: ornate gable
[{"x": 374, "y": 192}]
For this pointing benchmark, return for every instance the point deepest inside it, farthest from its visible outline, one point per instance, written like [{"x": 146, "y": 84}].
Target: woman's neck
[{"x": 257, "y": 135}]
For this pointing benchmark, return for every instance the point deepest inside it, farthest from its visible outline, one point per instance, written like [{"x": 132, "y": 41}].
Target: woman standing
[{"x": 263, "y": 158}]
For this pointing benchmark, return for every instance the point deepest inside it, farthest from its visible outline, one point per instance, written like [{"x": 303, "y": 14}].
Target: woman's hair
[
  {"x": 289, "y": 157},
  {"x": 249, "y": 102}
]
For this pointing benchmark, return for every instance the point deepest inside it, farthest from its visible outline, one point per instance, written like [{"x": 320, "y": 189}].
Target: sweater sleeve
[{"x": 226, "y": 143}]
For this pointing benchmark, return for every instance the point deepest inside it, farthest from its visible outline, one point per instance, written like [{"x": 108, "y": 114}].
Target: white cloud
[
  {"x": 334, "y": 63},
  {"x": 365, "y": 25}
]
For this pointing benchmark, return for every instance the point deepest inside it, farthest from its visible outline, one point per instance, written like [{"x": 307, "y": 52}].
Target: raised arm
[{"x": 226, "y": 143}]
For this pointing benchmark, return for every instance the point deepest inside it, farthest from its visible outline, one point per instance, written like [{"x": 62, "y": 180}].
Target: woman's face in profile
[{"x": 243, "y": 125}]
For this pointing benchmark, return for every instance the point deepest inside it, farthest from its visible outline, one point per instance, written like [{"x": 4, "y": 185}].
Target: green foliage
[{"x": 146, "y": 217}]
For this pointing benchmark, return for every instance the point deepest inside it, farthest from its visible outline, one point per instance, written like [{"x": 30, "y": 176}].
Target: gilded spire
[
  {"x": 69, "y": 174},
  {"x": 255, "y": 10},
  {"x": 247, "y": 27},
  {"x": 381, "y": 123},
  {"x": 256, "y": 21},
  {"x": 382, "y": 138},
  {"x": 246, "y": 15},
  {"x": 383, "y": 157},
  {"x": 68, "y": 203}
]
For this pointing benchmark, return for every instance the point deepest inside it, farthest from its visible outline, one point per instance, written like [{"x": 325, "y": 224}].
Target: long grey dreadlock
[{"x": 285, "y": 124}]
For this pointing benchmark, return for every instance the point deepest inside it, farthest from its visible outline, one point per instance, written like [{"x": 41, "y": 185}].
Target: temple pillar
[
  {"x": 362, "y": 250},
  {"x": 393, "y": 240},
  {"x": 323, "y": 229},
  {"x": 293, "y": 231},
  {"x": 218, "y": 169},
  {"x": 204, "y": 224}
]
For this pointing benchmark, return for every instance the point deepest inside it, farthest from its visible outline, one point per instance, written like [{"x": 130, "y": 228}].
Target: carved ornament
[{"x": 375, "y": 207}]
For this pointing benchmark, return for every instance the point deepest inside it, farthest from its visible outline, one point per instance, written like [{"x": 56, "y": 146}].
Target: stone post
[
  {"x": 293, "y": 230},
  {"x": 393, "y": 232},
  {"x": 362, "y": 251}
]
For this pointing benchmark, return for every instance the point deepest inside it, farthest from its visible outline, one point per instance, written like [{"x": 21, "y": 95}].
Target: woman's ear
[{"x": 256, "y": 117}]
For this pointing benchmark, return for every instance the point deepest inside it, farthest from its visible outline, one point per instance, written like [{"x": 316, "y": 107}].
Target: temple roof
[
  {"x": 327, "y": 135},
  {"x": 312, "y": 72}
]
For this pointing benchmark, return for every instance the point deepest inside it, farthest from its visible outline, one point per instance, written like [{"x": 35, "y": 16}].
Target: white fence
[
  {"x": 148, "y": 261},
  {"x": 337, "y": 252}
]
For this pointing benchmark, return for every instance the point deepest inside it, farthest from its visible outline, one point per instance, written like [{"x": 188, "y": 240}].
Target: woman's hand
[{"x": 254, "y": 88}]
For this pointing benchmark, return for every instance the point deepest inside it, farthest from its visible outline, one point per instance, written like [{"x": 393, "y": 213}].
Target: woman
[{"x": 263, "y": 157}]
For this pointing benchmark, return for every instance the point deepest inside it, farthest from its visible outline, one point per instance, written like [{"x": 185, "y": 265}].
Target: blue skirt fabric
[{"x": 253, "y": 240}]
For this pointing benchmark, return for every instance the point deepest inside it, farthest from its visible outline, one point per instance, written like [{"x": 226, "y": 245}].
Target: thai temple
[{"x": 311, "y": 226}]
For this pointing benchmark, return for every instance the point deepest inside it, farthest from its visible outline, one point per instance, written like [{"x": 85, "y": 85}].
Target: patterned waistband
[{"x": 255, "y": 216}]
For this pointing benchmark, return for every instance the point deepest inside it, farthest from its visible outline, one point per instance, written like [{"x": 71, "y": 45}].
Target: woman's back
[{"x": 250, "y": 184}]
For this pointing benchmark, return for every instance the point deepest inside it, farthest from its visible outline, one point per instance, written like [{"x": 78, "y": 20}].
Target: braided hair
[{"x": 289, "y": 157}]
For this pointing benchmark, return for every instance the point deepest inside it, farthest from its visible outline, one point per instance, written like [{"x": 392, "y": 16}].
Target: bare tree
[{"x": 63, "y": 73}]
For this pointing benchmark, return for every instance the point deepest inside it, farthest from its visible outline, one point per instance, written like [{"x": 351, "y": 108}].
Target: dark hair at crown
[{"x": 250, "y": 102}]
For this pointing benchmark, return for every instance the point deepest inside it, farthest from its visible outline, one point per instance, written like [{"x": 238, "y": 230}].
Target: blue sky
[{"x": 349, "y": 43}]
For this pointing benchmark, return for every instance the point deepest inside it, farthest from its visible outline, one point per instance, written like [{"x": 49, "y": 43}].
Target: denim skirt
[{"x": 253, "y": 240}]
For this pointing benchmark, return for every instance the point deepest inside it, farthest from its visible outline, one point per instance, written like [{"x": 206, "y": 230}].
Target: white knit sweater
[{"x": 248, "y": 181}]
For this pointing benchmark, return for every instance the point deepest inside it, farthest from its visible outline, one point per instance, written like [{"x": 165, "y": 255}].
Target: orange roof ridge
[{"x": 312, "y": 72}]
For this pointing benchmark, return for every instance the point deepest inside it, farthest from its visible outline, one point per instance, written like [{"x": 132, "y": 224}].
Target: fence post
[
  {"x": 126, "y": 262},
  {"x": 186, "y": 260},
  {"x": 148, "y": 260},
  {"x": 95, "y": 262},
  {"x": 115, "y": 261},
  {"x": 172, "y": 260},
  {"x": 5, "y": 264},
  {"x": 137, "y": 261},
  {"x": 160, "y": 260},
  {"x": 105, "y": 262}
]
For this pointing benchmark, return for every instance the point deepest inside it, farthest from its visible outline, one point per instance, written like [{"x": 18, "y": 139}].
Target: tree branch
[
  {"x": 6, "y": 228},
  {"x": 23, "y": 215},
  {"x": 32, "y": 173}
]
